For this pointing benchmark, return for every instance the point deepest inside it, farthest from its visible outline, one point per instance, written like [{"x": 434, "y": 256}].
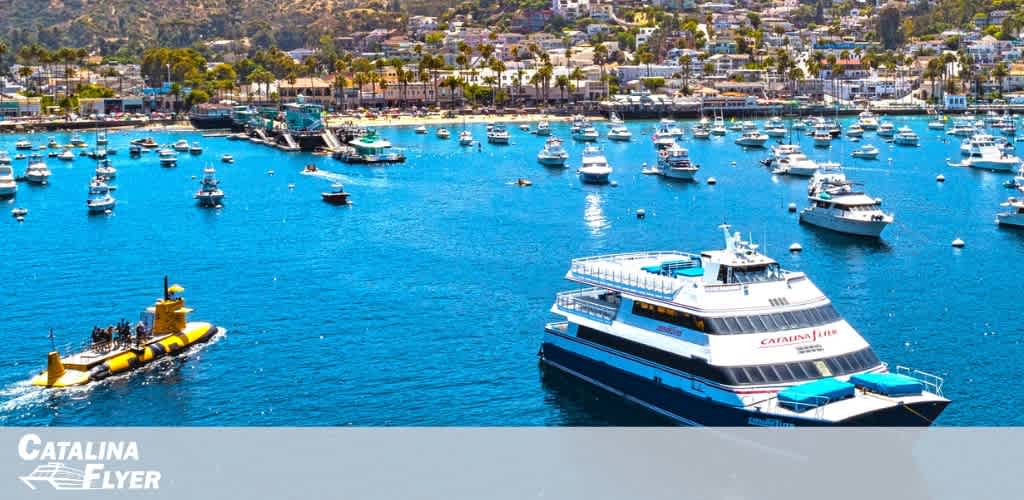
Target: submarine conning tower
[{"x": 169, "y": 313}]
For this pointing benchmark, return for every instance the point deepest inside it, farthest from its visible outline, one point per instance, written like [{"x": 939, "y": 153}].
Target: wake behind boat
[{"x": 727, "y": 337}]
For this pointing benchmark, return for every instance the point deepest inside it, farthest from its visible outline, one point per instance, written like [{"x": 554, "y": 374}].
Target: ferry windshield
[{"x": 751, "y": 274}]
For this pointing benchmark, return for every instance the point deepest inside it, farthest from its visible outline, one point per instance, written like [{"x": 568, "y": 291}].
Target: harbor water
[{"x": 424, "y": 302}]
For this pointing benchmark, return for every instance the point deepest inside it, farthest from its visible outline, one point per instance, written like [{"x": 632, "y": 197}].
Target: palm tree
[
  {"x": 497, "y": 66},
  {"x": 452, "y": 82},
  {"x": 577, "y": 75},
  {"x": 490, "y": 81},
  {"x": 600, "y": 58},
  {"x": 546, "y": 72},
  {"x": 562, "y": 82},
  {"x": 360, "y": 79},
  {"x": 999, "y": 72}
]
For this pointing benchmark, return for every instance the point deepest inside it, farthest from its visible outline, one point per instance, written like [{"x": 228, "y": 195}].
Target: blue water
[{"x": 424, "y": 302}]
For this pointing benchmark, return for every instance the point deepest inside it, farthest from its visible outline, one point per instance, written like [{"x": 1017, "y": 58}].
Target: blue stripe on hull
[{"x": 690, "y": 410}]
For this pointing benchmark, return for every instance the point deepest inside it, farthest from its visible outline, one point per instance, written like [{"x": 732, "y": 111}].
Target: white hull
[
  {"x": 771, "y": 132},
  {"x": 552, "y": 161},
  {"x": 621, "y": 138},
  {"x": 497, "y": 139},
  {"x": 751, "y": 143},
  {"x": 8, "y": 190},
  {"x": 101, "y": 206},
  {"x": 37, "y": 179},
  {"x": 210, "y": 199},
  {"x": 681, "y": 174},
  {"x": 585, "y": 137},
  {"x": 994, "y": 165},
  {"x": 856, "y": 227},
  {"x": 594, "y": 178},
  {"x": 1009, "y": 219}
]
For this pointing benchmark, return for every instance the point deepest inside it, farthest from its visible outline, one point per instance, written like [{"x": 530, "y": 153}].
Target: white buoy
[
  {"x": 792, "y": 207},
  {"x": 940, "y": 178},
  {"x": 614, "y": 184},
  {"x": 733, "y": 163},
  {"x": 640, "y": 213},
  {"x": 958, "y": 243},
  {"x": 795, "y": 247},
  {"x": 291, "y": 186},
  {"x": 712, "y": 181},
  {"x": 270, "y": 172}
]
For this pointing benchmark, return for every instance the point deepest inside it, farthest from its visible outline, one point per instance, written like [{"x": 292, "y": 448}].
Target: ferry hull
[{"x": 689, "y": 410}]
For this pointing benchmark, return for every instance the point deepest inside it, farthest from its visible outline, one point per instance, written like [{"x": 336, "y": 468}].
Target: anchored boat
[{"x": 164, "y": 330}]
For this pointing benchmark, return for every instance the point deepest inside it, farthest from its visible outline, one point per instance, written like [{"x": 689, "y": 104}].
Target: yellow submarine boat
[{"x": 168, "y": 332}]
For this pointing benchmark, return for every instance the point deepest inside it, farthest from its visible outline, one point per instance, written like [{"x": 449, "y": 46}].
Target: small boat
[
  {"x": 78, "y": 142},
  {"x": 752, "y": 138},
  {"x": 586, "y": 133},
  {"x": 54, "y": 154},
  {"x": 226, "y": 158},
  {"x": 595, "y": 169},
  {"x": 840, "y": 205},
  {"x": 443, "y": 133},
  {"x": 701, "y": 132},
  {"x": 906, "y": 137},
  {"x": 52, "y": 143},
  {"x": 867, "y": 120},
  {"x": 773, "y": 130},
  {"x": 855, "y": 130},
  {"x": 195, "y": 148},
  {"x": 148, "y": 143},
  {"x": 310, "y": 169},
  {"x": 521, "y": 182},
  {"x": 420, "y": 129},
  {"x": 718, "y": 127},
  {"x": 99, "y": 200},
  {"x": 8, "y": 187},
  {"x": 525, "y": 127},
  {"x": 20, "y": 156},
  {"x": 937, "y": 124},
  {"x": 134, "y": 150},
  {"x": 210, "y": 193},
  {"x": 106, "y": 170},
  {"x": 553, "y": 154},
  {"x": 614, "y": 120},
  {"x": 886, "y": 129},
  {"x": 37, "y": 171},
  {"x": 1014, "y": 216},
  {"x": 181, "y": 145},
  {"x": 866, "y": 152},
  {"x": 822, "y": 139},
  {"x": 67, "y": 155},
  {"x": 168, "y": 158},
  {"x": 465, "y": 138},
  {"x": 19, "y": 212},
  {"x": 619, "y": 133},
  {"x": 663, "y": 142},
  {"x": 498, "y": 134},
  {"x": 23, "y": 144},
  {"x": 543, "y": 128},
  {"x": 674, "y": 163},
  {"x": 337, "y": 195},
  {"x": 668, "y": 128}
]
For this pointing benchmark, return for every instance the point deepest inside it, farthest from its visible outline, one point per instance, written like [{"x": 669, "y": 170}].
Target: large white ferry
[{"x": 728, "y": 338}]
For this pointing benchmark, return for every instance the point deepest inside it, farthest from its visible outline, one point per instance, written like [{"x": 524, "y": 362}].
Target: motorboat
[
  {"x": 866, "y": 152},
  {"x": 962, "y": 128},
  {"x": 5, "y": 159},
  {"x": 726, "y": 337},
  {"x": 195, "y": 148},
  {"x": 906, "y": 137},
  {"x": 37, "y": 172},
  {"x": 8, "y": 187},
  {"x": 525, "y": 127},
  {"x": 798, "y": 165},
  {"x": 226, "y": 158},
  {"x": 66, "y": 155},
  {"x": 718, "y": 127},
  {"x": 663, "y": 142},
  {"x": 23, "y": 144},
  {"x": 980, "y": 140},
  {"x": 78, "y": 142},
  {"x": 752, "y": 139},
  {"x": 147, "y": 143},
  {"x": 20, "y": 156},
  {"x": 619, "y": 133},
  {"x": 669, "y": 128},
  {"x": 855, "y": 130},
  {"x": 822, "y": 139},
  {"x": 209, "y": 193},
  {"x": 1014, "y": 215},
  {"x": 105, "y": 170},
  {"x": 674, "y": 163},
  {"x": 181, "y": 146},
  {"x": 595, "y": 168},
  {"x": 586, "y": 133},
  {"x": 168, "y": 158},
  {"x": 886, "y": 129},
  {"x": 52, "y": 143},
  {"x": 99, "y": 200},
  {"x": 543, "y": 128},
  {"x": 370, "y": 149},
  {"x": 443, "y": 133},
  {"x": 701, "y": 132},
  {"x": 498, "y": 134},
  {"x": 134, "y": 150},
  {"x": 989, "y": 157},
  {"x": 842, "y": 206},
  {"x": 420, "y": 129},
  {"x": 937, "y": 124},
  {"x": 553, "y": 154},
  {"x": 735, "y": 126},
  {"x": 615, "y": 121},
  {"x": 867, "y": 120},
  {"x": 336, "y": 196},
  {"x": 465, "y": 138},
  {"x": 775, "y": 128}
]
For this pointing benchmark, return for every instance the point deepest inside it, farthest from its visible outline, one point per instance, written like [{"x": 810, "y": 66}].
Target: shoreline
[{"x": 407, "y": 121}]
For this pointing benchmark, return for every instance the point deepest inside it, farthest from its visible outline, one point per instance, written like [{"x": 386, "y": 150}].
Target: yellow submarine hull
[{"x": 80, "y": 370}]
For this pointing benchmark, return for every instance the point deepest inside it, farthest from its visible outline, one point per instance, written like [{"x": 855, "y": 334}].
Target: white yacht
[
  {"x": 822, "y": 139},
  {"x": 727, "y": 338},
  {"x": 498, "y": 134},
  {"x": 937, "y": 124},
  {"x": 718, "y": 127},
  {"x": 989, "y": 157},
  {"x": 867, "y": 120},
  {"x": 620, "y": 133},
  {"x": 663, "y": 141},
  {"x": 906, "y": 137},
  {"x": 181, "y": 145},
  {"x": 168, "y": 158},
  {"x": 443, "y": 133},
  {"x": 543, "y": 128},
  {"x": 595, "y": 168},
  {"x": 674, "y": 163},
  {"x": 465, "y": 138},
  {"x": 8, "y": 187},
  {"x": 420, "y": 129},
  {"x": 615, "y": 121},
  {"x": 209, "y": 193},
  {"x": 962, "y": 128},
  {"x": 23, "y": 144},
  {"x": 105, "y": 170},
  {"x": 980, "y": 140},
  {"x": 586, "y": 133},
  {"x": 855, "y": 130},
  {"x": 37, "y": 171},
  {"x": 886, "y": 129},
  {"x": 775, "y": 128},
  {"x": 798, "y": 165},
  {"x": 51, "y": 142},
  {"x": 66, "y": 155},
  {"x": 100, "y": 200},
  {"x": 866, "y": 152},
  {"x": 752, "y": 139},
  {"x": 553, "y": 154},
  {"x": 701, "y": 131},
  {"x": 842, "y": 206},
  {"x": 1013, "y": 216},
  {"x": 669, "y": 128},
  {"x": 195, "y": 148},
  {"x": 78, "y": 142}
]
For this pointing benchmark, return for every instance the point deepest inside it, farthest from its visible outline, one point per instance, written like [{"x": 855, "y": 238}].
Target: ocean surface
[{"x": 424, "y": 302}]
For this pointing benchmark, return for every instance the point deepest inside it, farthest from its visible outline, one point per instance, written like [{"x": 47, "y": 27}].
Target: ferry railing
[
  {"x": 771, "y": 405},
  {"x": 586, "y": 302},
  {"x": 931, "y": 381},
  {"x": 608, "y": 269}
]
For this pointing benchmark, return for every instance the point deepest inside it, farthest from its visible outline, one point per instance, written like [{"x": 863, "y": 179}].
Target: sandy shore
[{"x": 412, "y": 121}]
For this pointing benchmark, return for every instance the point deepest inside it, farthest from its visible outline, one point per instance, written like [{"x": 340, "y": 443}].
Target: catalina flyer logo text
[{"x": 84, "y": 465}]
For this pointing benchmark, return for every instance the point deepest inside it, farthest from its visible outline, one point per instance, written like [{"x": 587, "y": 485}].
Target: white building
[
  {"x": 954, "y": 102},
  {"x": 571, "y": 9},
  {"x": 628, "y": 73}
]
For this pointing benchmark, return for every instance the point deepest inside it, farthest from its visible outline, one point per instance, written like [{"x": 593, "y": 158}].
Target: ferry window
[
  {"x": 769, "y": 373},
  {"x": 754, "y": 375},
  {"x": 758, "y": 322},
  {"x": 833, "y": 366},
  {"x": 784, "y": 373},
  {"x": 745, "y": 325},
  {"x": 844, "y": 361},
  {"x": 740, "y": 376},
  {"x": 733, "y": 326},
  {"x": 798, "y": 371}
]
